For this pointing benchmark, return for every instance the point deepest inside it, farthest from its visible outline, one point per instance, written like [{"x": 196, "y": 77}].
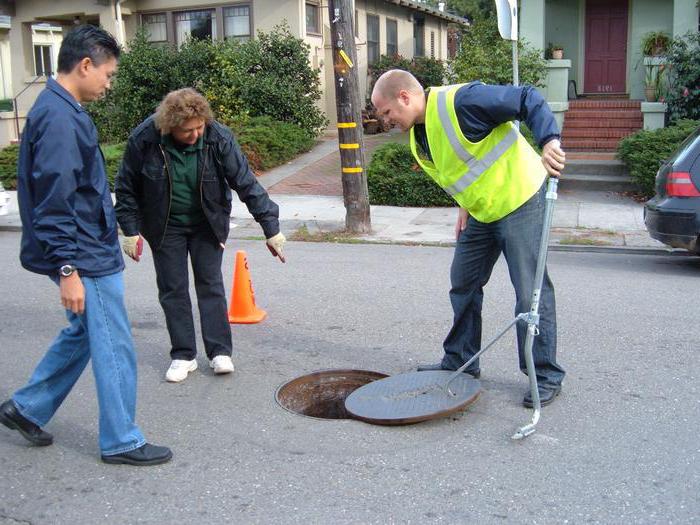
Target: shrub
[
  {"x": 427, "y": 70},
  {"x": 145, "y": 76},
  {"x": 8, "y": 166},
  {"x": 113, "y": 158},
  {"x": 395, "y": 179},
  {"x": 268, "y": 143},
  {"x": 483, "y": 55},
  {"x": 273, "y": 77},
  {"x": 269, "y": 75},
  {"x": 683, "y": 96},
  {"x": 643, "y": 151}
]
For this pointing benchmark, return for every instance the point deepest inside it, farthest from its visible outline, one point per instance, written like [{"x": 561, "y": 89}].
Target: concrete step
[
  {"x": 588, "y": 182},
  {"x": 612, "y": 168}
]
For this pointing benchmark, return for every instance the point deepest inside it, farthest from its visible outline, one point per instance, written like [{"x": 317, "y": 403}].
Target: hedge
[
  {"x": 8, "y": 166},
  {"x": 267, "y": 143},
  {"x": 643, "y": 151},
  {"x": 395, "y": 179},
  {"x": 266, "y": 76}
]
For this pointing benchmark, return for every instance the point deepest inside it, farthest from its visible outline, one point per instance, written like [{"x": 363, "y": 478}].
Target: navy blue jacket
[
  {"x": 481, "y": 107},
  {"x": 64, "y": 200}
]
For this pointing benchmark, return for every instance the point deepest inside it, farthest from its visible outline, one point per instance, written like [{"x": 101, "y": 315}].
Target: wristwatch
[{"x": 67, "y": 270}]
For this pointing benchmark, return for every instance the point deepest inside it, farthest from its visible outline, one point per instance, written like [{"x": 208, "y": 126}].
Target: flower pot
[
  {"x": 650, "y": 93},
  {"x": 557, "y": 54}
]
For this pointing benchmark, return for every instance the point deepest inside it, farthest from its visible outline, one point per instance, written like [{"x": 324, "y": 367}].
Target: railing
[{"x": 14, "y": 101}]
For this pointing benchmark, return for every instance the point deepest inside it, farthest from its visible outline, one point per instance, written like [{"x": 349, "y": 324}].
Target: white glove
[
  {"x": 275, "y": 245},
  {"x": 132, "y": 246}
]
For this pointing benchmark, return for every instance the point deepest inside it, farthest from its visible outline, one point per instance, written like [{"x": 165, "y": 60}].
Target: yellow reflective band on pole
[
  {"x": 349, "y": 146},
  {"x": 345, "y": 57},
  {"x": 352, "y": 170},
  {"x": 347, "y": 124}
]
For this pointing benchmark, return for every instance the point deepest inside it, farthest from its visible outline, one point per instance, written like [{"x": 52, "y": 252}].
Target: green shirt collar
[{"x": 170, "y": 144}]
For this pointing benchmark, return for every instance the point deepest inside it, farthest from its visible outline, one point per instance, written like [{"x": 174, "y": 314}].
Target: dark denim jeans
[
  {"x": 172, "y": 275},
  {"x": 518, "y": 236}
]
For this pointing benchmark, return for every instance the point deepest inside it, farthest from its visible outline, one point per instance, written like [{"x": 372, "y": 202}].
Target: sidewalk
[{"x": 309, "y": 193}]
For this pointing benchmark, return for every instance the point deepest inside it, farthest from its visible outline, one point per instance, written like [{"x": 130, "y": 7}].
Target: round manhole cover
[
  {"x": 322, "y": 394},
  {"x": 412, "y": 397}
]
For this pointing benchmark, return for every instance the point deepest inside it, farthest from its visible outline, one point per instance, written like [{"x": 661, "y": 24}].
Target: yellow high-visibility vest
[{"x": 490, "y": 178}]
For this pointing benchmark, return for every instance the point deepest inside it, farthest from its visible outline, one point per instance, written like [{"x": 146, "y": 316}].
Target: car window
[{"x": 689, "y": 149}]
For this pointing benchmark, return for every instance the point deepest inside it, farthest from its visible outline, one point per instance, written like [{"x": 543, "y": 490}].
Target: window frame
[
  {"x": 317, "y": 8},
  {"x": 247, "y": 36},
  {"x": 165, "y": 23},
  {"x": 371, "y": 43},
  {"x": 395, "y": 44},
  {"x": 44, "y": 49},
  {"x": 218, "y": 21}
]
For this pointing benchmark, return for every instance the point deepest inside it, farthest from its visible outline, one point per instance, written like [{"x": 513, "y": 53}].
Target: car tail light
[{"x": 679, "y": 184}]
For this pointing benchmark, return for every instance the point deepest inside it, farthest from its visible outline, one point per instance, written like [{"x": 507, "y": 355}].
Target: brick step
[
  {"x": 590, "y": 144},
  {"x": 598, "y": 114},
  {"x": 605, "y": 133},
  {"x": 606, "y": 104},
  {"x": 622, "y": 123}
]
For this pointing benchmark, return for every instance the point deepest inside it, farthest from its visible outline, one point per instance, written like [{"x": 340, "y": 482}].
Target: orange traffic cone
[{"x": 243, "y": 309}]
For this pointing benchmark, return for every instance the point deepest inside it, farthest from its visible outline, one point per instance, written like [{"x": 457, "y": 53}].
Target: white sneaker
[
  {"x": 179, "y": 369},
  {"x": 222, "y": 364}
]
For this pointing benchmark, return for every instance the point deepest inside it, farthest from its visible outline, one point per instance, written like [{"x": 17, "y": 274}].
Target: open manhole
[{"x": 322, "y": 394}]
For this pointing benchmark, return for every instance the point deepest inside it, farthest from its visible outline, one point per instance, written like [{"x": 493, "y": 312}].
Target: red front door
[{"x": 606, "y": 46}]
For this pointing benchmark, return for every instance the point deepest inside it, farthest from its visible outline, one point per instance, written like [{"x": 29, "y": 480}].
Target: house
[
  {"x": 382, "y": 27},
  {"x": 45, "y": 42},
  {"x": 603, "y": 67}
]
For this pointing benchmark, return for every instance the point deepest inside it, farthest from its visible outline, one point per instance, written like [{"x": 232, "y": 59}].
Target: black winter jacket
[{"x": 143, "y": 185}]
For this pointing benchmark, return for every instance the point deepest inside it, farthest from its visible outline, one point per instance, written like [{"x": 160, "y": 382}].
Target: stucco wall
[
  {"x": 562, "y": 28},
  {"x": 645, "y": 16}
]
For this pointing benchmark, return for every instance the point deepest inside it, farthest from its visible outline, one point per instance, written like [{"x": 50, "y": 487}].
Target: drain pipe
[{"x": 120, "y": 23}]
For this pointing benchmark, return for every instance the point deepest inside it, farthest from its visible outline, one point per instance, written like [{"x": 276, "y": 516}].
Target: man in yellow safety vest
[{"x": 464, "y": 137}]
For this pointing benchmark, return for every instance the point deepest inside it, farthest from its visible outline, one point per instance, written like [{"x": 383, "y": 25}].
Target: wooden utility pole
[{"x": 349, "y": 110}]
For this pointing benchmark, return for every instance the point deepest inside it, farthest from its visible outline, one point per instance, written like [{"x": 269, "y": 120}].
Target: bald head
[
  {"x": 393, "y": 81},
  {"x": 399, "y": 99}
]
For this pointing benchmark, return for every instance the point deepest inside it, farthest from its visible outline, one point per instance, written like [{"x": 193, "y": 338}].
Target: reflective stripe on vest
[{"x": 476, "y": 166}]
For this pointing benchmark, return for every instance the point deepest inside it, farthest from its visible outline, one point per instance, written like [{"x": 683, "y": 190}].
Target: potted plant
[
  {"x": 554, "y": 51},
  {"x": 653, "y": 82},
  {"x": 655, "y": 43}
]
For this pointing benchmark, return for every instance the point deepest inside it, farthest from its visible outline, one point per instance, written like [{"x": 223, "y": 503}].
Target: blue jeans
[
  {"x": 517, "y": 235},
  {"x": 102, "y": 333}
]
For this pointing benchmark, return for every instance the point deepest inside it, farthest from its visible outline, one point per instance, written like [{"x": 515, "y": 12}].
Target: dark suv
[{"x": 673, "y": 215}]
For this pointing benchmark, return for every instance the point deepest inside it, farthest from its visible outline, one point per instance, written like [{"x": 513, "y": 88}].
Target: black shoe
[
  {"x": 146, "y": 454},
  {"x": 11, "y": 418},
  {"x": 547, "y": 395},
  {"x": 476, "y": 374}
]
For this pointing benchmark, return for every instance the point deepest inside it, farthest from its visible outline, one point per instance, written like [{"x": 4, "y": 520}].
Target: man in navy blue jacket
[{"x": 69, "y": 233}]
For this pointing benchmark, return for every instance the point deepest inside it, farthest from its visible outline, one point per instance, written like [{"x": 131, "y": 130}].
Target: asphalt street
[{"x": 620, "y": 445}]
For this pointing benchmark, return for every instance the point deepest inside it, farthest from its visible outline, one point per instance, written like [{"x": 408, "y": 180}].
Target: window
[
  {"x": 432, "y": 44},
  {"x": 372, "y": 39},
  {"x": 419, "y": 37},
  {"x": 312, "y": 18},
  {"x": 42, "y": 61},
  {"x": 155, "y": 27},
  {"x": 392, "y": 39},
  {"x": 195, "y": 24},
  {"x": 237, "y": 22}
]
